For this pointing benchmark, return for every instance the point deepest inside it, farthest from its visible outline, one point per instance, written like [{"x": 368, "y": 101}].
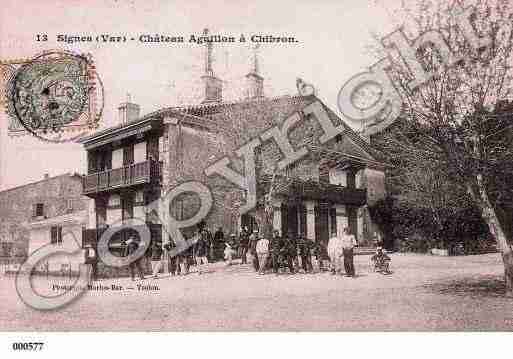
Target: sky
[{"x": 333, "y": 36}]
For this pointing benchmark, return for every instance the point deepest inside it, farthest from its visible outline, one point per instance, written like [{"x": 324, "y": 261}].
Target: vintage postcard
[{"x": 265, "y": 166}]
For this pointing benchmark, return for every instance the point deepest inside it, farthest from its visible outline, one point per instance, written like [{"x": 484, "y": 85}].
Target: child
[{"x": 381, "y": 260}]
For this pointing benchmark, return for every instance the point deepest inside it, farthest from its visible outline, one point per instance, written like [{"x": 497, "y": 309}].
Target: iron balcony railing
[{"x": 136, "y": 173}]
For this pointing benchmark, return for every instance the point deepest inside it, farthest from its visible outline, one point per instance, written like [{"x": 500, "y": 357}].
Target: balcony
[
  {"x": 138, "y": 173},
  {"x": 319, "y": 191}
]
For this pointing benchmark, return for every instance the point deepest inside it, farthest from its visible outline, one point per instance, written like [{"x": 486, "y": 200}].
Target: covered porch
[{"x": 317, "y": 209}]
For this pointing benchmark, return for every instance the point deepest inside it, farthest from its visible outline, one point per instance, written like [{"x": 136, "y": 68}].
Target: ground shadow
[
  {"x": 360, "y": 275},
  {"x": 482, "y": 286}
]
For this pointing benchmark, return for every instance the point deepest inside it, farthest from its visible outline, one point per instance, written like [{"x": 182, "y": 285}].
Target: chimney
[
  {"x": 255, "y": 82},
  {"x": 46, "y": 176},
  {"x": 128, "y": 111},
  {"x": 213, "y": 85}
]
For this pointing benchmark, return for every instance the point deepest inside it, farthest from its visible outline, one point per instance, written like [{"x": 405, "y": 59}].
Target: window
[
  {"x": 324, "y": 174},
  {"x": 127, "y": 205},
  {"x": 69, "y": 205},
  {"x": 139, "y": 197},
  {"x": 338, "y": 177},
  {"x": 128, "y": 155},
  {"x": 56, "y": 235},
  {"x": 39, "y": 209}
]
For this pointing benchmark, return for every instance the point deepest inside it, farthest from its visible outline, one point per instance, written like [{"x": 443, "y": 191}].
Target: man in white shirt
[
  {"x": 262, "y": 251},
  {"x": 348, "y": 243},
  {"x": 335, "y": 253},
  {"x": 228, "y": 250}
]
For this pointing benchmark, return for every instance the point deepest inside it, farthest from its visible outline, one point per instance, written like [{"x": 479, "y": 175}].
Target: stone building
[
  {"x": 49, "y": 211},
  {"x": 144, "y": 157}
]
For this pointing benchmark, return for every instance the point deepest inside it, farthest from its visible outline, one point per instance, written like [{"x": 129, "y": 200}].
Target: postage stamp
[{"x": 57, "y": 96}]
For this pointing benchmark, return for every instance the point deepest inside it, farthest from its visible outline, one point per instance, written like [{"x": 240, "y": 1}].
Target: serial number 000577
[{"x": 31, "y": 346}]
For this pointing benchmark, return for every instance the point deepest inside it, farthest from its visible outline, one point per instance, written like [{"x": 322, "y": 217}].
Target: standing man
[
  {"x": 172, "y": 263},
  {"x": 209, "y": 238},
  {"x": 275, "y": 246},
  {"x": 253, "y": 239},
  {"x": 90, "y": 258},
  {"x": 244, "y": 243},
  {"x": 304, "y": 245},
  {"x": 288, "y": 251},
  {"x": 156, "y": 258},
  {"x": 218, "y": 242},
  {"x": 131, "y": 247},
  {"x": 184, "y": 259},
  {"x": 262, "y": 250},
  {"x": 335, "y": 253},
  {"x": 348, "y": 244},
  {"x": 200, "y": 250}
]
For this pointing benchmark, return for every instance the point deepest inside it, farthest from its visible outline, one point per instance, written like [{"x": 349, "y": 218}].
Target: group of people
[
  {"x": 177, "y": 265},
  {"x": 274, "y": 253},
  {"x": 342, "y": 247},
  {"x": 201, "y": 252},
  {"x": 291, "y": 252},
  {"x": 287, "y": 252}
]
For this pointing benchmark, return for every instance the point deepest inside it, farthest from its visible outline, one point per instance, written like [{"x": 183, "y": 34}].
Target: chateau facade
[{"x": 138, "y": 161}]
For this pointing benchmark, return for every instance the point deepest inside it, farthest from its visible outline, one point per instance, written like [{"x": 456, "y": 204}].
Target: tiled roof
[
  {"x": 251, "y": 116},
  {"x": 68, "y": 174}
]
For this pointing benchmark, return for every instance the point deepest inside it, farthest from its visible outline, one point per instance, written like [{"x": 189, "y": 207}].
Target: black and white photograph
[{"x": 255, "y": 167}]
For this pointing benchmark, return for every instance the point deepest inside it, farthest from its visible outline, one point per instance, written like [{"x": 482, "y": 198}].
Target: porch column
[
  {"x": 342, "y": 220},
  {"x": 91, "y": 213},
  {"x": 299, "y": 219},
  {"x": 239, "y": 224},
  {"x": 277, "y": 215},
  {"x": 360, "y": 212},
  {"x": 310, "y": 219},
  {"x": 162, "y": 209},
  {"x": 114, "y": 210}
]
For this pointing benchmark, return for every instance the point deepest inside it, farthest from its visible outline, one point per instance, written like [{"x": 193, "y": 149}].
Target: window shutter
[
  {"x": 91, "y": 162},
  {"x": 108, "y": 160},
  {"x": 351, "y": 179},
  {"x": 128, "y": 155},
  {"x": 53, "y": 235}
]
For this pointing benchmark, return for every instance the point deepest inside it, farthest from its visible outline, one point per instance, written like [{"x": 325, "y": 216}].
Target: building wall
[
  {"x": 16, "y": 206},
  {"x": 188, "y": 151},
  {"x": 71, "y": 238}
]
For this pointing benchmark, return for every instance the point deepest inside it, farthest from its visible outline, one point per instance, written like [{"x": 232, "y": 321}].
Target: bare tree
[{"x": 448, "y": 116}]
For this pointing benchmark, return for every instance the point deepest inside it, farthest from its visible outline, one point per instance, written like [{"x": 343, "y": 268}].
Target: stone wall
[
  {"x": 187, "y": 151},
  {"x": 16, "y": 206}
]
